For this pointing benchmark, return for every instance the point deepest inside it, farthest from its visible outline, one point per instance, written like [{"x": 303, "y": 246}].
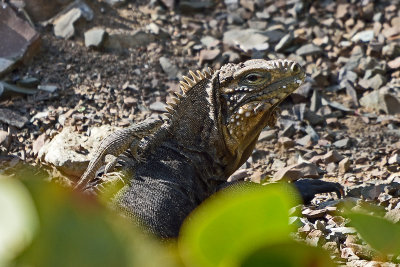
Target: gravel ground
[{"x": 342, "y": 125}]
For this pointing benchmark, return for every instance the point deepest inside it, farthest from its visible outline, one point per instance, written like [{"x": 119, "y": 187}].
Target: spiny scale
[
  {"x": 175, "y": 100},
  {"x": 186, "y": 86},
  {"x": 189, "y": 83}
]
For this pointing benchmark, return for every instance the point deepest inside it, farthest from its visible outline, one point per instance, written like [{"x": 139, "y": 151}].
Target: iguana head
[
  {"x": 229, "y": 107},
  {"x": 249, "y": 95}
]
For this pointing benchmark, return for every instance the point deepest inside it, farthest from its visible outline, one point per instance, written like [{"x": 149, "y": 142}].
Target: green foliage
[
  {"x": 378, "y": 232},
  {"x": 289, "y": 254},
  {"x": 53, "y": 226},
  {"x": 18, "y": 219},
  {"x": 75, "y": 230},
  {"x": 235, "y": 223}
]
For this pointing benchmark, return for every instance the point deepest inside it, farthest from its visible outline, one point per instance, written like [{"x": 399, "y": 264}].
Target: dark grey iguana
[{"x": 212, "y": 130}]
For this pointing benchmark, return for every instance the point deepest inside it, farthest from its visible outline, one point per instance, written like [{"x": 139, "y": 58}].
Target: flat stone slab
[{"x": 63, "y": 151}]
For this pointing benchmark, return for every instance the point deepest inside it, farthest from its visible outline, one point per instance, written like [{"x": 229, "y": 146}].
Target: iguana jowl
[{"x": 212, "y": 130}]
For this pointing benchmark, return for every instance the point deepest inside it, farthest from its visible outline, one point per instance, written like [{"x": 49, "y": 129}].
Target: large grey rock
[
  {"x": 12, "y": 118},
  {"x": 374, "y": 83},
  {"x": 64, "y": 25},
  {"x": 18, "y": 40},
  {"x": 297, "y": 171},
  {"x": 61, "y": 151},
  {"x": 119, "y": 39},
  {"x": 363, "y": 36},
  {"x": 247, "y": 39},
  {"x": 209, "y": 41},
  {"x": 309, "y": 49},
  {"x": 381, "y": 101},
  {"x": 94, "y": 37},
  {"x": 284, "y": 42},
  {"x": 64, "y": 22},
  {"x": 168, "y": 67}
]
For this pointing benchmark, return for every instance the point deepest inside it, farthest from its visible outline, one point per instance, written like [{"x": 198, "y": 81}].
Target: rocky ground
[{"x": 112, "y": 63}]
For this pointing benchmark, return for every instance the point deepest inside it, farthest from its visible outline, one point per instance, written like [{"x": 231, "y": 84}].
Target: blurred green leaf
[
  {"x": 18, "y": 219},
  {"x": 289, "y": 254},
  {"x": 379, "y": 233},
  {"x": 73, "y": 233},
  {"x": 76, "y": 230},
  {"x": 235, "y": 222}
]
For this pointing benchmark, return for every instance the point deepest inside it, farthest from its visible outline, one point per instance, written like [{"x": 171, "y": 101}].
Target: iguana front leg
[
  {"x": 133, "y": 151},
  {"x": 115, "y": 144}
]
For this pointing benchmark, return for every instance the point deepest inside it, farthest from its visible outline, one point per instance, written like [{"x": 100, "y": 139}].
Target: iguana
[{"x": 212, "y": 129}]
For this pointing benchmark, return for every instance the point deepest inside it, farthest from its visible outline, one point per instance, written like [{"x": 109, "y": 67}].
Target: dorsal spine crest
[{"x": 185, "y": 86}]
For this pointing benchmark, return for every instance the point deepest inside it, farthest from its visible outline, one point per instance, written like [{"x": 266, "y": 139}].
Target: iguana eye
[
  {"x": 256, "y": 78},
  {"x": 253, "y": 77}
]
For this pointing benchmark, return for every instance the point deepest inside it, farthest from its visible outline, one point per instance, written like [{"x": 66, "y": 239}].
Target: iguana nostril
[{"x": 295, "y": 68}]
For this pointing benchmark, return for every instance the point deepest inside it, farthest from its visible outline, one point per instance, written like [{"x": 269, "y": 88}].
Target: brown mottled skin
[{"x": 211, "y": 131}]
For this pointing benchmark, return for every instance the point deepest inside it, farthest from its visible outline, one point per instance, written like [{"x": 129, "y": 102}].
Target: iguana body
[
  {"x": 115, "y": 144},
  {"x": 211, "y": 131}
]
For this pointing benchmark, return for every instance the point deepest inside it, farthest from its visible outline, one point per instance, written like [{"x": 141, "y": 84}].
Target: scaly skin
[{"x": 115, "y": 144}]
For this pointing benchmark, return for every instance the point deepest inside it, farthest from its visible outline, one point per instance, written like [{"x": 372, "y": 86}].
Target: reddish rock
[
  {"x": 313, "y": 214},
  {"x": 41, "y": 10},
  {"x": 288, "y": 174},
  {"x": 344, "y": 165},
  {"x": 316, "y": 159},
  {"x": 38, "y": 143},
  {"x": 130, "y": 101},
  {"x": 342, "y": 10},
  {"x": 208, "y": 55},
  {"x": 297, "y": 171},
  {"x": 332, "y": 156},
  {"x": 286, "y": 142},
  {"x": 395, "y": 63},
  {"x": 309, "y": 170},
  {"x": 331, "y": 167}
]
